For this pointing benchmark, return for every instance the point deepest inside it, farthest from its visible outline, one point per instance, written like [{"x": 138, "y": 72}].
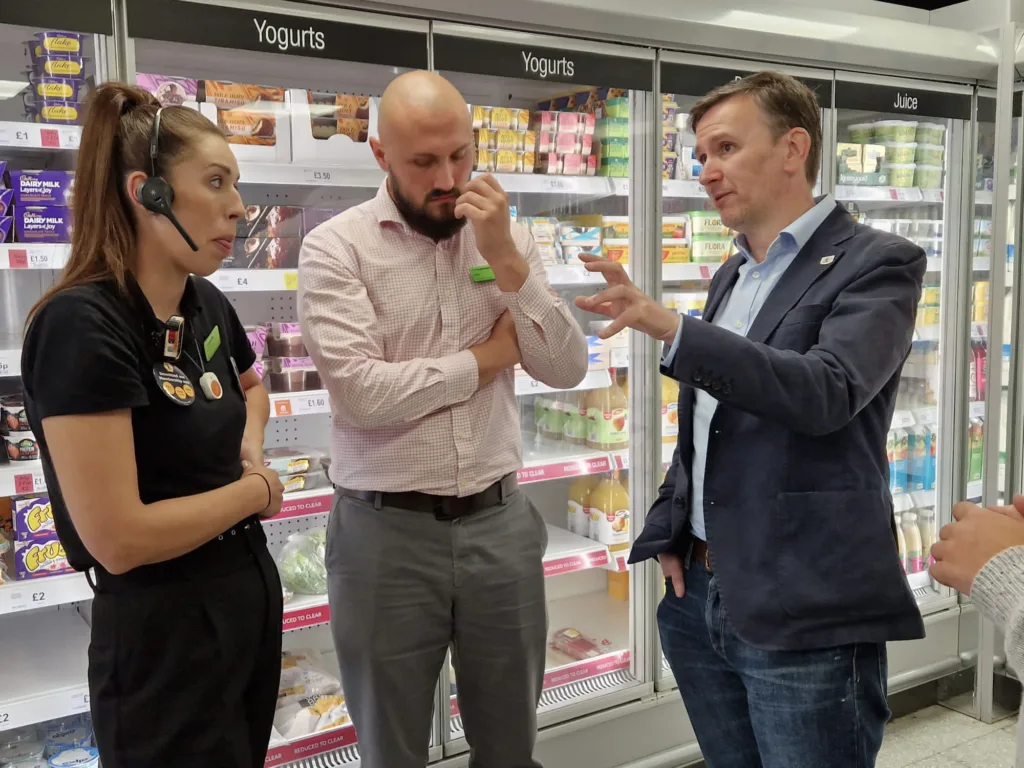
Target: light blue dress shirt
[{"x": 736, "y": 313}]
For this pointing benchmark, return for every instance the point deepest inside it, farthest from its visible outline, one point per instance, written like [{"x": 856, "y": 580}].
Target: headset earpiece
[{"x": 155, "y": 194}]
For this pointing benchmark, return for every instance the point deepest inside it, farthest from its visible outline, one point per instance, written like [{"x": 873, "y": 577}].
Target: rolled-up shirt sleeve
[
  {"x": 552, "y": 344},
  {"x": 341, "y": 332}
]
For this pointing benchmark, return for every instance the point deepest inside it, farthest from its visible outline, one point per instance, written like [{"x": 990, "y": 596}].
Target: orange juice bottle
[
  {"x": 669, "y": 410},
  {"x": 574, "y": 430},
  {"x": 579, "y": 504},
  {"x": 608, "y": 418},
  {"x": 609, "y": 516}
]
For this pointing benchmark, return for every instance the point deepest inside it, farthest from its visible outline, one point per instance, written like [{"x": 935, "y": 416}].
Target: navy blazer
[{"x": 797, "y": 507}]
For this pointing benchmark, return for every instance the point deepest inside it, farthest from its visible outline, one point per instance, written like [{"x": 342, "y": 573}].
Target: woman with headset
[{"x": 139, "y": 387}]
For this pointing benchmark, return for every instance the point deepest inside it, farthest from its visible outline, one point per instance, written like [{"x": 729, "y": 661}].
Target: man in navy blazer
[{"x": 774, "y": 526}]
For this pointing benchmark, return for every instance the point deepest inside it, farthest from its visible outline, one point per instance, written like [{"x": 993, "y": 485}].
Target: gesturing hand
[
  {"x": 626, "y": 305},
  {"x": 967, "y": 544},
  {"x": 485, "y": 204}
]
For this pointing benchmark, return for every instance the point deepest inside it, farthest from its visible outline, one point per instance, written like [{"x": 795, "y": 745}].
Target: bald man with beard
[{"x": 430, "y": 542}]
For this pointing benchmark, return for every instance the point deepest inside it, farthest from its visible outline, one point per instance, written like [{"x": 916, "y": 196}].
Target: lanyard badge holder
[{"x": 171, "y": 380}]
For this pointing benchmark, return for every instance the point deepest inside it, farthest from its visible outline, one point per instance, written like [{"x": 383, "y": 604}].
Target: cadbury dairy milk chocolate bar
[
  {"x": 42, "y": 224},
  {"x": 42, "y": 187}
]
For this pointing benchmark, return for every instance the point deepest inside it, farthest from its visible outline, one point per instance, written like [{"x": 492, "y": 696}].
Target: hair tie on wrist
[{"x": 270, "y": 494}]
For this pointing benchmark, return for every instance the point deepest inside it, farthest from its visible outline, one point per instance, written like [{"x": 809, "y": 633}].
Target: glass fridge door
[
  {"x": 562, "y": 125},
  {"x": 51, "y": 55},
  {"x": 296, "y": 91},
  {"x": 899, "y": 169},
  {"x": 694, "y": 244}
]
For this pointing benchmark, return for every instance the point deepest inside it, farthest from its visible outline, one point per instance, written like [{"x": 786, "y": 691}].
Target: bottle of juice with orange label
[
  {"x": 608, "y": 418},
  {"x": 609, "y": 515},
  {"x": 669, "y": 410},
  {"x": 579, "y": 504}
]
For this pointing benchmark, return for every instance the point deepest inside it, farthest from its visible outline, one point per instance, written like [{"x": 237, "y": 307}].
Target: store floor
[{"x": 937, "y": 737}]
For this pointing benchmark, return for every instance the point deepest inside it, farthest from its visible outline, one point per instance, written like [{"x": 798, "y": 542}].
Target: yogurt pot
[
  {"x": 48, "y": 87},
  {"x": 51, "y": 42},
  {"x": 80, "y": 757},
  {"x": 21, "y": 446},
  {"x": 862, "y": 133},
  {"x": 57, "y": 111},
  {"x": 896, "y": 131},
  {"x": 59, "y": 66},
  {"x": 930, "y": 154},
  {"x": 928, "y": 177},
  {"x": 65, "y": 736},
  {"x": 15, "y": 417},
  {"x": 901, "y": 174},
  {"x": 29, "y": 753},
  {"x": 930, "y": 133},
  {"x": 900, "y": 153}
]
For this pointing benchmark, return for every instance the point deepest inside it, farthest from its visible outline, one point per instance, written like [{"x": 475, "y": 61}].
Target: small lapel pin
[{"x": 827, "y": 260}]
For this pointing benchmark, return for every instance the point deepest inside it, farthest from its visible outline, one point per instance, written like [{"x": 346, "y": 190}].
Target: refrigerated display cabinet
[{"x": 624, "y": 189}]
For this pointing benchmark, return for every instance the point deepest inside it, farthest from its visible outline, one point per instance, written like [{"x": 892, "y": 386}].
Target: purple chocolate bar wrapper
[
  {"x": 169, "y": 91},
  {"x": 314, "y": 217},
  {"x": 43, "y": 224},
  {"x": 40, "y": 557},
  {"x": 6, "y": 226},
  {"x": 33, "y": 518},
  {"x": 42, "y": 187},
  {"x": 6, "y": 201}
]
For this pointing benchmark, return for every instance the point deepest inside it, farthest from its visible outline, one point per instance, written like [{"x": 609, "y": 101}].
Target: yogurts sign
[{"x": 180, "y": 21}]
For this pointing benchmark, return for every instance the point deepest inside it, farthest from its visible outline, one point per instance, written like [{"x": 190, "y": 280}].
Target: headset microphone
[{"x": 155, "y": 194}]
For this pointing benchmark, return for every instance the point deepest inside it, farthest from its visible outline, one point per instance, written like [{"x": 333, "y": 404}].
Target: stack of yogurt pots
[
  {"x": 914, "y": 151},
  {"x": 15, "y": 434}
]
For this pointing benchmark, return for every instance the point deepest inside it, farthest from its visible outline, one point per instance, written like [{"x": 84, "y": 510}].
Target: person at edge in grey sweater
[{"x": 981, "y": 554}]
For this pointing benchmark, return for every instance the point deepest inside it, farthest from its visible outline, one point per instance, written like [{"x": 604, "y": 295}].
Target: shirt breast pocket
[{"x": 799, "y": 329}]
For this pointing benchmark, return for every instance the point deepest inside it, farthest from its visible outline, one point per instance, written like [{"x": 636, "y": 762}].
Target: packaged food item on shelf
[
  {"x": 42, "y": 224},
  {"x": 43, "y": 87},
  {"x": 928, "y": 176},
  {"x": 290, "y": 460},
  {"x": 612, "y": 128},
  {"x": 6, "y": 201},
  {"x": 40, "y": 557},
  {"x": 912, "y": 535},
  {"x": 929, "y": 534},
  {"x": 976, "y": 449},
  {"x": 669, "y": 410},
  {"x": 301, "y": 563},
  {"x": 901, "y": 543},
  {"x": 901, "y": 174},
  {"x": 291, "y": 375},
  {"x": 579, "y": 504},
  {"x": 6, "y": 228},
  {"x": 67, "y": 734},
  {"x": 574, "y": 431},
  {"x": 52, "y": 188},
  {"x": 572, "y": 643},
  {"x": 484, "y": 161},
  {"x": 933, "y": 442},
  {"x": 609, "y": 512},
  {"x": 873, "y": 157},
  {"x": 614, "y": 148},
  {"x": 608, "y": 418},
  {"x": 707, "y": 223},
  {"x": 918, "y": 451},
  {"x": 21, "y": 445},
  {"x": 304, "y": 675},
  {"x": 551, "y": 424},
  {"x": 616, "y": 250},
  {"x": 896, "y": 131},
  {"x": 615, "y": 167},
  {"x": 668, "y": 165},
  {"x": 169, "y": 91},
  {"x": 675, "y": 251},
  {"x": 314, "y": 217},
  {"x": 245, "y": 126},
  {"x": 675, "y": 227},
  {"x": 307, "y": 482},
  {"x": 80, "y": 757},
  {"x": 270, "y": 221},
  {"x": 337, "y": 105},
  {"x": 862, "y": 133},
  {"x": 29, "y": 753},
  {"x": 32, "y": 518},
  {"x": 58, "y": 65},
  {"x": 308, "y": 716},
  {"x": 900, "y": 152},
  {"x": 979, "y": 352},
  {"x": 228, "y": 95},
  {"x": 930, "y": 133},
  {"x": 930, "y": 154},
  {"x": 13, "y": 414},
  {"x": 487, "y": 138},
  {"x": 616, "y": 227},
  {"x": 257, "y": 335},
  {"x": 264, "y": 253},
  {"x": 710, "y": 249},
  {"x": 899, "y": 461}
]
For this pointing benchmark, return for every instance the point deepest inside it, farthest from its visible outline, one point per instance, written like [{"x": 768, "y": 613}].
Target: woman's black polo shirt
[{"x": 92, "y": 349}]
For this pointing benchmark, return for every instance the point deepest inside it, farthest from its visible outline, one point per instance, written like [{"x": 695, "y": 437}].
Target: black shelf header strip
[
  {"x": 694, "y": 80},
  {"x": 533, "y": 62},
  {"x": 82, "y": 16},
  {"x": 899, "y": 100},
  {"x": 249, "y": 30},
  {"x": 987, "y": 108}
]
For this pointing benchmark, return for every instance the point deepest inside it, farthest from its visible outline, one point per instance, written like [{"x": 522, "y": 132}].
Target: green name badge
[
  {"x": 212, "y": 343},
  {"x": 481, "y": 274}
]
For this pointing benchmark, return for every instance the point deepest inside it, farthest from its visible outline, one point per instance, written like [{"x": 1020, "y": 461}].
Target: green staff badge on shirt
[
  {"x": 212, "y": 343},
  {"x": 481, "y": 274}
]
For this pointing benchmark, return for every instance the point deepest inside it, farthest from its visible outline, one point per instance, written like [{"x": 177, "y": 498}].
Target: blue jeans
[{"x": 755, "y": 708}]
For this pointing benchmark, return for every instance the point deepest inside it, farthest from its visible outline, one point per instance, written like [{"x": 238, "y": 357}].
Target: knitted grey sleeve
[{"x": 998, "y": 591}]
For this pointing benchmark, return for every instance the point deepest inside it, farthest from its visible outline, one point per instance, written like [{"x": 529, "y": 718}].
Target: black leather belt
[
  {"x": 701, "y": 554},
  {"x": 441, "y": 507}
]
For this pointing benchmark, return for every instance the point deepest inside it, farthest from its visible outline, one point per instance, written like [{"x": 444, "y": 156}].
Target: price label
[
  {"x": 5, "y": 368},
  {"x": 556, "y": 184},
  {"x": 16, "y": 135},
  {"x": 701, "y": 191},
  {"x": 5, "y": 718},
  {"x": 312, "y": 174},
  {"x": 49, "y": 138},
  {"x": 291, "y": 281},
  {"x": 622, "y": 186},
  {"x": 71, "y": 139},
  {"x": 313, "y": 404},
  {"x": 242, "y": 281},
  {"x": 18, "y": 258},
  {"x": 79, "y": 702},
  {"x": 622, "y": 460},
  {"x": 282, "y": 408},
  {"x": 705, "y": 272},
  {"x": 29, "y": 482},
  {"x": 302, "y": 404}
]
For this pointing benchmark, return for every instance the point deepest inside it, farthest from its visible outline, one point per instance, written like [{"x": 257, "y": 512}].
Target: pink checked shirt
[{"x": 389, "y": 316}]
